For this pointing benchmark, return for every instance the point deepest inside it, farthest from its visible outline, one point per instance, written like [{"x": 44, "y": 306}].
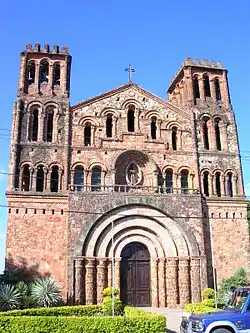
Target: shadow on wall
[{"x": 21, "y": 271}]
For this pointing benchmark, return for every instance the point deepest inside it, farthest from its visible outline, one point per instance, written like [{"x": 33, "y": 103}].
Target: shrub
[
  {"x": 78, "y": 311},
  {"x": 208, "y": 293},
  {"x": 139, "y": 324},
  {"x": 27, "y": 301},
  {"x": 107, "y": 292},
  {"x": 46, "y": 292},
  {"x": 209, "y": 302},
  {"x": 197, "y": 308},
  {"x": 107, "y": 306},
  {"x": 10, "y": 297}
]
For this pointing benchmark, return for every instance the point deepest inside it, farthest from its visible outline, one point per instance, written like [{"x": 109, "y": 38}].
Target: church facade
[{"x": 154, "y": 184}]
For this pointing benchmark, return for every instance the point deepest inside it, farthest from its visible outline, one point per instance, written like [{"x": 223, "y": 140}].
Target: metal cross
[{"x": 130, "y": 70}]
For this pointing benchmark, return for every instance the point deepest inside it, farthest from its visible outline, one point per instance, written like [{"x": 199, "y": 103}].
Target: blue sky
[{"x": 105, "y": 36}]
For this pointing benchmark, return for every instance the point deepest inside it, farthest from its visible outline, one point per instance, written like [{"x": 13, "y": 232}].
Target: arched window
[
  {"x": 218, "y": 184},
  {"x": 40, "y": 179},
  {"x": 207, "y": 86},
  {"x": 169, "y": 181},
  {"x": 96, "y": 179},
  {"x": 26, "y": 178},
  {"x": 217, "y": 133},
  {"x": 49, "y": 125},
  {"x": 44, "y": 73},
  {"x": 109, "y": 125},
  {"x": 79, "y": 178},
  {"x": 196, "y": 88},
  {"x": 87, "y": 134},
  {"x": 34, "y": 125},
  {"x": 217, "y": 90},
  {"x": 31, "y": 73},
  {"x": 54, "y": 180},
  {"x": 174, "y": 138},
  {"x": 229, "y": 184},
  {"x": 205, "y": 183},
  {"x": 184, "y": 181},
  {"x": 57, "y": 76},
  {"x": 205, "y": 133},
  {"x": 153, "y": 128},
  {"x": 131, "y": 118}
]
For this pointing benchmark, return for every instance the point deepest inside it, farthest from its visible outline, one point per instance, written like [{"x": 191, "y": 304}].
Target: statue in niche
[{"x": 133, "y": 174}]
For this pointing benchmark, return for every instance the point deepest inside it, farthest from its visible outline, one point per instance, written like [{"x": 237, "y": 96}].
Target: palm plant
[
  {"x": 10, "y": 297},
  {"x": 46, "y": 292},
  {"x": 27, "y": 300}
]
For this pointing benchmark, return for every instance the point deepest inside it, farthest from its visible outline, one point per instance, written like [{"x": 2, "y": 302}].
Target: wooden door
[{"x": 135, "y": 275}]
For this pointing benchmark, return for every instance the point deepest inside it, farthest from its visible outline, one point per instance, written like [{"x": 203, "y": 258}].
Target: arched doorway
[{"x": 135, "y": 275}]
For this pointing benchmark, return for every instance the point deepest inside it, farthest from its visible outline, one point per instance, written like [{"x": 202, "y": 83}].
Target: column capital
[
  {"x": 195, "y": 262},
  {"x": 184, "y": 262},
  {"x": 90, "y": 262},
  {"x": 101, "y": 262},
  {"x": 79, "y": 263}
]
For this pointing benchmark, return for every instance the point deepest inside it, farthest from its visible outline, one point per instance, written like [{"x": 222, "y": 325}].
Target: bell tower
[{"x": 41, "y": 116}]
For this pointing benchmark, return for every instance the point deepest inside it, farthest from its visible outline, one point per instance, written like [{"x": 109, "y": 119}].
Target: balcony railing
[{"x": 133, "y": 189}]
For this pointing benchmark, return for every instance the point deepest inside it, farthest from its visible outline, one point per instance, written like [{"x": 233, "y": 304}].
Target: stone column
[
  {"x": 103, "y": 180},
  {"x": 34, "y": 179},
  {"x": 212, "y": 89},
  {"x": 210, "y": 185},
  {"x": 211, "y": 135},
  {"x": 41, "y": 119},
  {"x": 195, "y": 280},
  {"x": 117, "y": 273},
  {"x": 20, "y": 179},
  {"x": 60, "y": 173},
  {"x": 162, "y": 284},
  {"x": 37, "y": 77},
  {"x": 158, "y": 129},
  {"x": 234, "y": 185},
  {"x": 201, "y": 89},
  {"x": 214, "y": 185},
  {"x": 223, "y": 136},
  {"x": 175, "y": 182},
  {"x": 114, "y": 123},
  {"x": 222, "y": 185},
  {"x": 172, "y": 282},
  {"x": 47, "y": 179},
  {"x": 101, "y": 279},
  {"x": 92, "y": 138},
  {"x": 184, "y": 281},
  {"x": 179, "y": 141},
  {"x": 50, "y": 83},
  {"x": 78, "y": 280},
  {"x": 154, "y": 282},
  {"x": 31, "y": 170},
  {"x": 109, "y": 272},
  {"x": 89, "y": 281}
]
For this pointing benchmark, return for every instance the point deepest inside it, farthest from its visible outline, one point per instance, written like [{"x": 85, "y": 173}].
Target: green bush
[
  {"x": 209, "y": 302},
  {"x": 139, "y": 324},
  {"x": 107, "y": 306},
  {"x": 197, "y": 308},
  {"x": 46, "y": 292},
  {"x": 79, "y": 311},
  {"x": 208, "y": 293},
  {"x": 107, "y": 292},
  {"x": 10, "y": 297}
]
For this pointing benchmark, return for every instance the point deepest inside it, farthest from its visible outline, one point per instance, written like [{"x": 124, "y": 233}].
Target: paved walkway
[{"x": 173, "y": 317}]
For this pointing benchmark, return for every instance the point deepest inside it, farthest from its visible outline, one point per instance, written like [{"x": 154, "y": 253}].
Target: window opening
[
  {"x": 40, "y": 179},
  {"x": 184, "y": 182},
  {"x": 49, "y": 126},
  {"x": 217, "y": 133},
  {"x": 205, "y": 134},
  {"x": 79, "y": 178},
  {"x": 131, "y": 119},
  {"x": 109, "y": 125},
  {"x": 57, "y": 76},
  {"x": 217, "y": 184},
  {"x": 217, "y": 90},
  {"x": 174, "y": 138},
  {"x": 26, "y": 178},
  {"x": 196, "y": 88},
  {"x": 153, "y": 128},
  {"x": 87, "y": 135},
  {"x": 44, "y": 73},
  {"x": 96, "y": 179},
  {"x": 205, "y": 184},
  {"x": 31, "y": 74},
  {"x": 207, "y": 86},
  {"x": 169, "y": 181},
  {"x": 34, "y": 134},
  {"x": 54, "y": 180},
  {"x": 229, "y": 185}
]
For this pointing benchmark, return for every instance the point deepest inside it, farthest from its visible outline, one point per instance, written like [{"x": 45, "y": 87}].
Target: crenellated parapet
[{"x": 46, "y": 49}]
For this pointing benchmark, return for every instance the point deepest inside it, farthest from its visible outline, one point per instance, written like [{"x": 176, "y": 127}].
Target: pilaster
[
  {"x": 184, "y": 281},
  {"x": 172, "y": 282},
  {"x": 89, "y": 280}
]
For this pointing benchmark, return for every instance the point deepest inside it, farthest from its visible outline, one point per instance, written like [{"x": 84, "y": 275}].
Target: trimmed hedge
[
  {"x": 79, "y": 310},
  {"x": 138, "y": 324},
  {"x": 197, "y": 308}
]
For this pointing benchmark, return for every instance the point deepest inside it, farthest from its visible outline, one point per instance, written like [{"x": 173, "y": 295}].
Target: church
[{"x": 126, "y": 184}]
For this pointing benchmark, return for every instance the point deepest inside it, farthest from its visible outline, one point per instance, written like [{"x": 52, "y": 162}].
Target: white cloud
[{"x": 247, "y": 189}]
